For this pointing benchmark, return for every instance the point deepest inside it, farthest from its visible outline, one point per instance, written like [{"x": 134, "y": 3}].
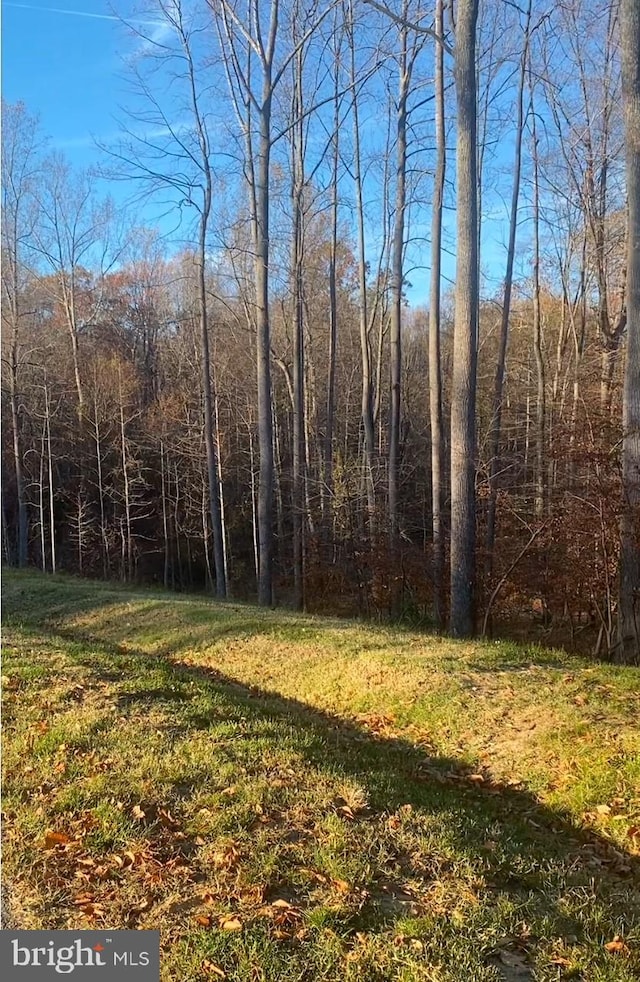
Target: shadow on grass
[
  {"x": 523, "y": 850},
  {"x": 489, "y": 818}
]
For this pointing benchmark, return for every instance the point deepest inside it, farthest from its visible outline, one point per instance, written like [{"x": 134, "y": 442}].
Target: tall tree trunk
[
  {"x": 211, "y": 444},
  {"x": 127, "y": 542},
  {"x": 265, "y": 424},
  {"x": 435, "y": 369},
  {"x": 539, "y": 477},
  {"x": 165, "y": 521},
  {"x": 333, "y": 308},
  {"x": 213, "y": 462},
  {"x": 365, "y": 345},
  {"x": 23, "y": 521},
  {"x": 43, "y": 544},
  {"x": 52, "y": 522},
  {"x": 465, "y": 336},
  {"x": 628, "y": 649},
  {"x": 298, "y": 373},
  {"x": 498, "y": 387},
  {"x": 397, "y": 278}
]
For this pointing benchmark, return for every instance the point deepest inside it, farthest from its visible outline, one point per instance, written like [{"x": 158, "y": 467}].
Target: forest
[{"x": 347, "y": 318}]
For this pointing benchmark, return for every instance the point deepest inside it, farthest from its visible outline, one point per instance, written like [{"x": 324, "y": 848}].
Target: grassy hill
[{"x": 296, "y": 798}]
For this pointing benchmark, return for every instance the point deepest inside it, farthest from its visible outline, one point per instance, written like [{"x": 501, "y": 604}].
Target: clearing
[{"x": 297, "y": 798}]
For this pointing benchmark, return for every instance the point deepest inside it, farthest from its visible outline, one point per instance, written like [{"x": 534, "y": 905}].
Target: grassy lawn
[{"x": 295, "y": 798}]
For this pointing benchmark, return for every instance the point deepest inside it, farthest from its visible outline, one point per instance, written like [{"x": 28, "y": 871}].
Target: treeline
[{"x": 260, "y": 411}]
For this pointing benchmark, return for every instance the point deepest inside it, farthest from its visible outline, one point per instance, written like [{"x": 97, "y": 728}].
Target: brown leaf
[
  {"x": 138, "y": 813},
  {"x": 204, "y": 920},
  {"x": 346, "y": 811},
  {"x": 283, "y": 904},
  {"x": 53, "y": 839},
  {"x": 617, "y": 946},
  {"x": 341, "y": 886},
  {"x": 84, "y": 899},
  {"x": 211, "y": 969},
  {"x": 230, "y": 924},
  {"x": 476, "y": 778}
]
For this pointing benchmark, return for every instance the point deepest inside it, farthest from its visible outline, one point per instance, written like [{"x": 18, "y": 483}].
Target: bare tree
[
  {"x": 628, "y": 649},
  {"x": 73, "y": 237},
  {"x": 496, "y": 414},
  {"x": 180, "y": 161},
  {"x": 409, "y": 50},
  {"x": 465, "y": 335},
  {"x": 247, "y": 44},
  {"x": 20, "y": 171}
]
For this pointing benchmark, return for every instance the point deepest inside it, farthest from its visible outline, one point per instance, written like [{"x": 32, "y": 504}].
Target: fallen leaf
[
  {"x": 53, "y": 839},
  {"x": 204, "y": 920},
  {"x": 83, "y": 899},
  {"x": 230, "y": 924},
  {"x": 138, "y": 813},
  {"x": 212, "y": 969},
  {"x": 341, "y": 886},
  {"x": 603, "y": 809},
  {"x": 617, "y": 946}
]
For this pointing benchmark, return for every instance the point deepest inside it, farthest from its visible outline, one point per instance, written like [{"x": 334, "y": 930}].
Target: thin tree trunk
[
  {"x": 212, "y": 449},
  {"x": 496, "y": 415},
  {"x": 333, "y": 308},
  {"x": 165, "y": 521},
  {"x": 127, "y": 553},
  {"x": 539, "y": 479},
  {"x": 365, "y": 349},
  {"x": 103, "y": 526},
  {"x": 435, "y": 369},
  {"x": 23, "y": 521},
  {"x": 265, "y": 425},
  {"x": 298, "y": 373},
  {"x": 52, "y": 523},
  {"x": 43, "y": 544},
  {"x": 254, "y": 508},
  {"x": 397, "y": 278}
]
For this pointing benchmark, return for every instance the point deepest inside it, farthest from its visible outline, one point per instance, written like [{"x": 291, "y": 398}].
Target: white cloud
[{"x": 84, "y": 13}]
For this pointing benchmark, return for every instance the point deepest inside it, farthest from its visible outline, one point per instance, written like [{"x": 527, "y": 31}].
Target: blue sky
[
  {"x": 63, "y": 62},
  {"x": 67, "y": 63}
]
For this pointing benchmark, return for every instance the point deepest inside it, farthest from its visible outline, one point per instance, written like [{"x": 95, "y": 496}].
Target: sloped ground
[{"x": 294, "y": 798}]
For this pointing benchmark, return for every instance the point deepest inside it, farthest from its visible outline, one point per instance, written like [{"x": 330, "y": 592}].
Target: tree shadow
[
  {"x": 395, "y": 771},
  {"x": 524, "y": 850}
]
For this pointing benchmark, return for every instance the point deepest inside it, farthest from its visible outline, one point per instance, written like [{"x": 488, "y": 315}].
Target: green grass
[{"x": 295, "y": 798}]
